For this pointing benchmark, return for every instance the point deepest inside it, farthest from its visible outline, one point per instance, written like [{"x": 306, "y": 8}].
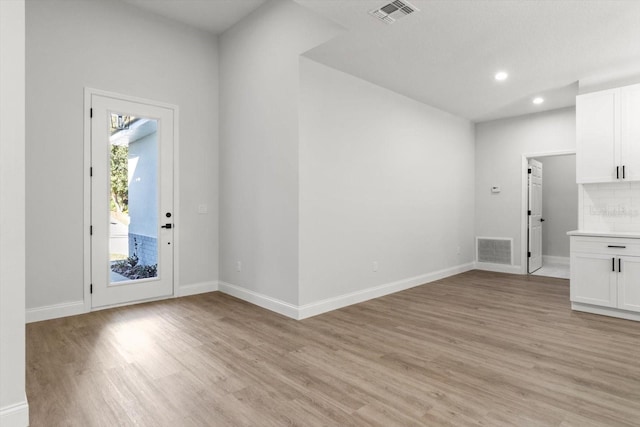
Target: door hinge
[
  {"x": 91, "y": 288},
  {"x": 528, "y": 254},
  {"x": 91, "y": 113},
  {"x": 529, "y": 212},
  {"x": 91, "y": 230},
  {"x": 529, "y": 170}
]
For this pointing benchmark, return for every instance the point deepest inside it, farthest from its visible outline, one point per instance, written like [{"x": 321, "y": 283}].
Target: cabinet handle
[
  {"x": 623, "y": 174},
  {"x": 617, "y": 172},
  {"x": 613, "y": 264},
  {"x": 619, "y": 265},
  {"x": 616, "y": 246}
]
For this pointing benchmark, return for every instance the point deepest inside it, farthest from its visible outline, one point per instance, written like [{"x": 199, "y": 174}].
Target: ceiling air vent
[{"x": 393, "y": 11}]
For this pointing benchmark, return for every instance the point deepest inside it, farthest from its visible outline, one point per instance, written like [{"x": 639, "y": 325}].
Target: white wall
[
  {"x": 500, "y": 145},
  {"x": 383, "y": 179},
  {"x": 559, "y": 203},
  {"x": 110, "y": 45},
  {"x": 259, "y": 146},
  {"x": 619, "y": 78},
  {"x": 14, "y": 411}
]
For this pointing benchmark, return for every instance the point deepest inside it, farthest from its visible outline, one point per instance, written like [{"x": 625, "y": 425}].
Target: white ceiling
[
  {"x": 214, "y": 16},
  {"x": 447, "y": 54}
]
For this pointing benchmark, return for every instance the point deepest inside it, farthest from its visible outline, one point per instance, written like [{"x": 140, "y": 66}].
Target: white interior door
[
  {"x": 535, "y": 216},
  {"x": 131, "y": 201}
]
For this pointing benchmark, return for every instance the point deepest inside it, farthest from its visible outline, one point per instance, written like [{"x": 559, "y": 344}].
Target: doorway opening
[{"x": 550, "y": 202}]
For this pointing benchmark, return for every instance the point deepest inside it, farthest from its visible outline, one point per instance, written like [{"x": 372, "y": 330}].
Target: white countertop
[{"x": 625, "y": 234}]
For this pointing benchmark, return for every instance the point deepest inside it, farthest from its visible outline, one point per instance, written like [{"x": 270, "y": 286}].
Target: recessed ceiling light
[
  {"x": 538, "y": 100},
  {"x": 501, "y": 75}
]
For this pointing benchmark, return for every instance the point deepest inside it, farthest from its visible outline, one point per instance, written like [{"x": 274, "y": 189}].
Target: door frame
[
  {"x": 88, "y": 93},
  {"x": 524, "y": 192}
]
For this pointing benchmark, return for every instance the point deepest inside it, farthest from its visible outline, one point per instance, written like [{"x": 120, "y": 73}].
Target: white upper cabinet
[
  {"x": 608, "y": 137},
  {"x": 630, "y": 131}
]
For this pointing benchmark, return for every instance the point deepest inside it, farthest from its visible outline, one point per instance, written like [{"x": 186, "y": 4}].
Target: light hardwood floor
[{"x": 475, "y": 349}]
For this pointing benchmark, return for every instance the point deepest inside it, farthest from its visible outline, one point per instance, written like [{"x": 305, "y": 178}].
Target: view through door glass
[{"x": 133, "y": 206}]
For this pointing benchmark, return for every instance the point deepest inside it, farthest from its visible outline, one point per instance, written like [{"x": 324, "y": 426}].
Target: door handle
[
  {"x": 619, "y": 265},
  {"x": 542, "y": 219},
  {"x": 167, "y": 226},
  {"x": 613, "y": 264},
  {"x": 623, "y": 174},
  {"x": 617, "y": 246},
  {"x": 617, "y": 172}
]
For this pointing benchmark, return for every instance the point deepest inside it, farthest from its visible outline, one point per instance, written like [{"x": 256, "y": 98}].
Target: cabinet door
[
  {"x": 593, "y": 279},
  {"x": 596, "y": 154},
  {"x": 629, "y": 284},
  {"x": 630, "y": 131}
]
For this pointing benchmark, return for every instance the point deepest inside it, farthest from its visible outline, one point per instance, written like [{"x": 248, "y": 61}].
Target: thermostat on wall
[{"x": 495, "y": 189}]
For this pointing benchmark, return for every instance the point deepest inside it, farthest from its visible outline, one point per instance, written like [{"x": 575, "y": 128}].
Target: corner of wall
[
  {"x": 15, "y": 415},
  {"x": 259, "y": 164}
]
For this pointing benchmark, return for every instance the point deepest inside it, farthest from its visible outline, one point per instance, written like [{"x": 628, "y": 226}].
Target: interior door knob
[{"x": 541, "y": 219}]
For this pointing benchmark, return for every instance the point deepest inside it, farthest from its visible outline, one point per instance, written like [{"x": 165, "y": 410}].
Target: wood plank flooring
[{"x": 475, "y": 349}]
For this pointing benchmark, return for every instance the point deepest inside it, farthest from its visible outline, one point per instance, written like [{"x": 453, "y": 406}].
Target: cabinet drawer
[{"x": 605, "y": 245}]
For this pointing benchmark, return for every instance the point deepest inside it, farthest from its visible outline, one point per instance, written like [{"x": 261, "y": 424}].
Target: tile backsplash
[{"x": 610, "y": 207}]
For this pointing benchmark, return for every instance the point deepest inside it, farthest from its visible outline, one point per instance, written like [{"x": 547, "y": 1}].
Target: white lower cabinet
[
  {"x": 605, "y": 276},
  {"x": 593, "y": 281},
  {"x": 629, "y": 284}
]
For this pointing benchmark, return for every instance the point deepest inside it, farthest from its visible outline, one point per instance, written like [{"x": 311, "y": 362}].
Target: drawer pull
[
  {"x": 616, "y": 246},
  {"x": 613, "y": 264},
  {"x": 619, "y": 265}
]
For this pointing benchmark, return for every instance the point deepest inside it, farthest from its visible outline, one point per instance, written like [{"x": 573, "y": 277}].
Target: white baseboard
[
  {"x": 261, "y": 300},
  {"x": 329, "y": 304},
  {"x": 605, "y": 311},
  {"x": 16, "y": 415},
  {"x": 55, "y": 311},
  {"x": 197, "y": 288},
  {"x": 313, "y": 309},
  {"x": 498, "y": 268},
  {"x": 77, "y": 307},
  {"x": 562, "y": 260},
  {"x": 286, "y": 309}
]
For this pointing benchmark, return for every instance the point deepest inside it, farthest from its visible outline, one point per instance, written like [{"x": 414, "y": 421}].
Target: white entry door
[
  {"x": 131, "y": 201},
  {"x": 535, "y": 215}
]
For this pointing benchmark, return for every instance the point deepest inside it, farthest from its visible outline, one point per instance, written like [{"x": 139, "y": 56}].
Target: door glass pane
[{"x": 133, "y": 208}]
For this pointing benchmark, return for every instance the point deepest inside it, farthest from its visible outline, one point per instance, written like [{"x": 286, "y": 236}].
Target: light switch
[{"x": 202, "y": 209}]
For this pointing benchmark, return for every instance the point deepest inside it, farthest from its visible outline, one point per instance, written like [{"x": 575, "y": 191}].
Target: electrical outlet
[
  {"x": 203, "y": 209},
  {"x": 239, "y": 266},
  {"x": 374, "y": 266}
]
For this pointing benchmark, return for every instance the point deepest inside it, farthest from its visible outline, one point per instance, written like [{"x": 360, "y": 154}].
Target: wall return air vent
[
  {"x": 393, "y": 11},
  {"x": 494, "y": 250}
]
